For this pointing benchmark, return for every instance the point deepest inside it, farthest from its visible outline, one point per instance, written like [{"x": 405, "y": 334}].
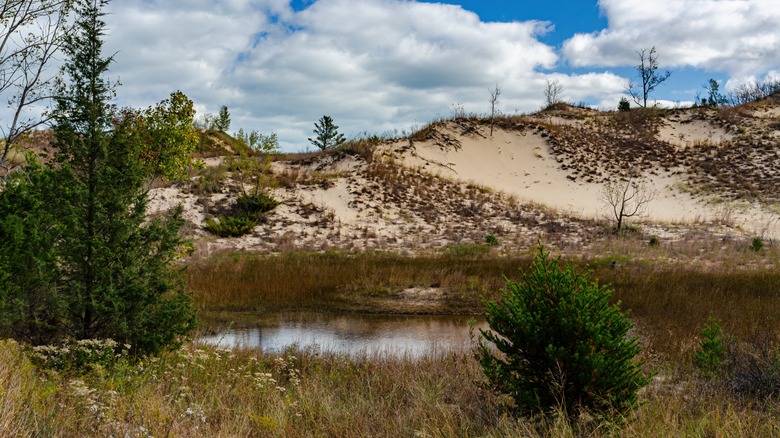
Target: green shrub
[
  {"x": 230, "y": 226},
  {"x": 254, "y": 205},
  {"x": 210, "y": 180},
  {"x": 491, "y": 240},
  {"x": 654, "y": 241},
  {"x": 756, "y": 244},
  {"x": 709, "y": 356},
  {"x": 624, "y": 105},
  {"x": 559, "y": 345}
]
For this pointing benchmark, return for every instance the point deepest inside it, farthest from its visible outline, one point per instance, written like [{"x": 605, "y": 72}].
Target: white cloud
[
  {"x": 738, "y": 37},
  {"x": 374, "y": 65}
]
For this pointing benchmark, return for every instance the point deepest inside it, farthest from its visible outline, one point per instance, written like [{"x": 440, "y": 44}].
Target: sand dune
[{"x": 535, "y": 176}]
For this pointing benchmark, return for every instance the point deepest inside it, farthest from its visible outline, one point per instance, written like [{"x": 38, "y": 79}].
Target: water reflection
[{"x": 413, "y": 335}]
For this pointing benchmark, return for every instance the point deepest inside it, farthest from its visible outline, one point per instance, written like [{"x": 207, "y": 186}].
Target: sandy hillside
[
  {"x": 521, "y": 164},
  {"x": 537, "y": 176}
]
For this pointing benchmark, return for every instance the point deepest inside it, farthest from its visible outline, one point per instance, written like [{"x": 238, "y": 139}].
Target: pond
[{"x": 353, "y": 334}]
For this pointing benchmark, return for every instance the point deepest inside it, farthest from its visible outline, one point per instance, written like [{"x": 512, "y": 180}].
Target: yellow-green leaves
[{"x": 165, "y": 136}]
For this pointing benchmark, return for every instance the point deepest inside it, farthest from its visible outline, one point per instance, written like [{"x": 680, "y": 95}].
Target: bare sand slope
[{"x": 520, "y": 163}]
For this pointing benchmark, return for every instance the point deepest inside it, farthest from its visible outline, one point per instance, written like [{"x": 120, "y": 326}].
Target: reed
[
  {"x": 669, "y": 302},
  {"x": 344, "y": 281}
]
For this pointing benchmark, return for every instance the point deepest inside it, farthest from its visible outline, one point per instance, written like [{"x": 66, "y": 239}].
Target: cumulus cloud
[
  {"x": 373, "y": 65},
  {"x": 737, "y": 37}
]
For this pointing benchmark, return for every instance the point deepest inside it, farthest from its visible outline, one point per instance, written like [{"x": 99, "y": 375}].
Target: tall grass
[
  {"x": 668, "y": 302},
  {"x": 205, "y": 391},
  {"x": 212, "y": 392},
  {"x": 343, "y": 281}
]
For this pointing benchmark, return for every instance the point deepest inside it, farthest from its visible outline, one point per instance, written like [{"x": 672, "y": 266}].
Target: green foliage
[
  {"x": 756, "y": 244},
  {"x": 491, "y": 240},
  {"x": 328, "y": 135},
  {"x": 252, "y": 164},
  {"x": 558, "y": 344},
  {"x": 709, "y": 357},
  {"x": 251, "y": 167},
  {"x": 222, "y": 123},
  {"x": 230, "y": 226},
  {"x": 254, "y": 205},
  {"x": 714, "y": 96},
  {"x": 654, "y": 241},
  {"x": 29, "y": 304},
  {"x": 216, "y": 144},
  {"x": 624, "y": 105},
  {"x": 209, "y": 180},
  {"x": 164, "y": 135},
  {"x": 97, "y": 267},
  {"x": 246, "y": 213}
]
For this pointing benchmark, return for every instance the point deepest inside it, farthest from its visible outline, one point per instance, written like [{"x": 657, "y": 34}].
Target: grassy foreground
[
  {"x": 219, "y": 393},
  {"x": 205, "y": 391}
]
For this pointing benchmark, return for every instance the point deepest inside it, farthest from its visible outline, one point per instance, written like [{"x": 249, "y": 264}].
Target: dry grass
[
  {"x": 345, "y": 281},
  {"x": 669, "y": 302},
  {"x": 220, "y": 393},
  {"x": 211, "y": 392}
]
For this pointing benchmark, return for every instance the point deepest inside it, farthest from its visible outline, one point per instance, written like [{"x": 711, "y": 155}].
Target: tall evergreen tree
[{"x": 114, "y": 274}]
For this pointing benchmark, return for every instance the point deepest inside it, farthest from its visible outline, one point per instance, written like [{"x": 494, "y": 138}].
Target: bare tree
[
  {"x": 32, "y": 32},
  {"x": 494, "y": 95},
  {"x": 649, "y": 75},
  {"x": 627, "y": 197},
  {"x": 751, "y": 91},
  {"x": 553, "y": 90}
]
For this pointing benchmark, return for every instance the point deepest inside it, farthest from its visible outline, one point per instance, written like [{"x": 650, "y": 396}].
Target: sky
[{"x": 391, "y": 66}]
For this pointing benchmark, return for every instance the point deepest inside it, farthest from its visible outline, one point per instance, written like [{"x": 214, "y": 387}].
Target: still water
[{"x": 397, "y": 335}]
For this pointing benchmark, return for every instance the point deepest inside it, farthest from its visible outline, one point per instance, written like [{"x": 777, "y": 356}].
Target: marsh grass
[
  {"x": 669, "y": 302},
  {"x": 343, "y": 281}
]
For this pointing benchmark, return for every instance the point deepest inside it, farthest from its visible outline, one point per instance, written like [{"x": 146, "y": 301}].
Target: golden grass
[
  {"x": 212, "y": 392},
  {"x": 205, "y": 391},
  {"x": 668, "y": 301},
  {"x": 344, "y": 281}
]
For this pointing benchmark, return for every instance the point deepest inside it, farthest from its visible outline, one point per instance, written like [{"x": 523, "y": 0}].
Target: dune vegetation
[{"x": 234, "y": 228}]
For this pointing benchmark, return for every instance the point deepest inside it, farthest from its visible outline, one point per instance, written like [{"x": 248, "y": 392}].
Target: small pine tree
[
  {"x": 328, "y": 136},
  {"x": 756, "y": 244},
  {"x": 222, "y": 123},
  {"x": 710, "y": 354},
  {"x": 624, "y": 105},
  {"x": 562, "y": 344}
]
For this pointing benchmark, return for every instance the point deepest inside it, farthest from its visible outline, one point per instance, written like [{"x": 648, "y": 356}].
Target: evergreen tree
[
  {"x": 111, "y": 271},
  {"x": 30, "y": 308},
  {"x": 222, "y": 123},
  {"x": 328, "y": 136},
  {"x": 561, "y": 343}
]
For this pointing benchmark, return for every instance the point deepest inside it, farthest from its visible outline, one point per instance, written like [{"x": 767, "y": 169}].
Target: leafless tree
[
  {"x": 753, "y": 90},
  {"x": 32, "y": 32},
  {"x": 649, "y": 75},
  {"x": 494, "y": 95},
  {"x": 627, "y": 197},
  {"x": 553, "y": 90}
]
